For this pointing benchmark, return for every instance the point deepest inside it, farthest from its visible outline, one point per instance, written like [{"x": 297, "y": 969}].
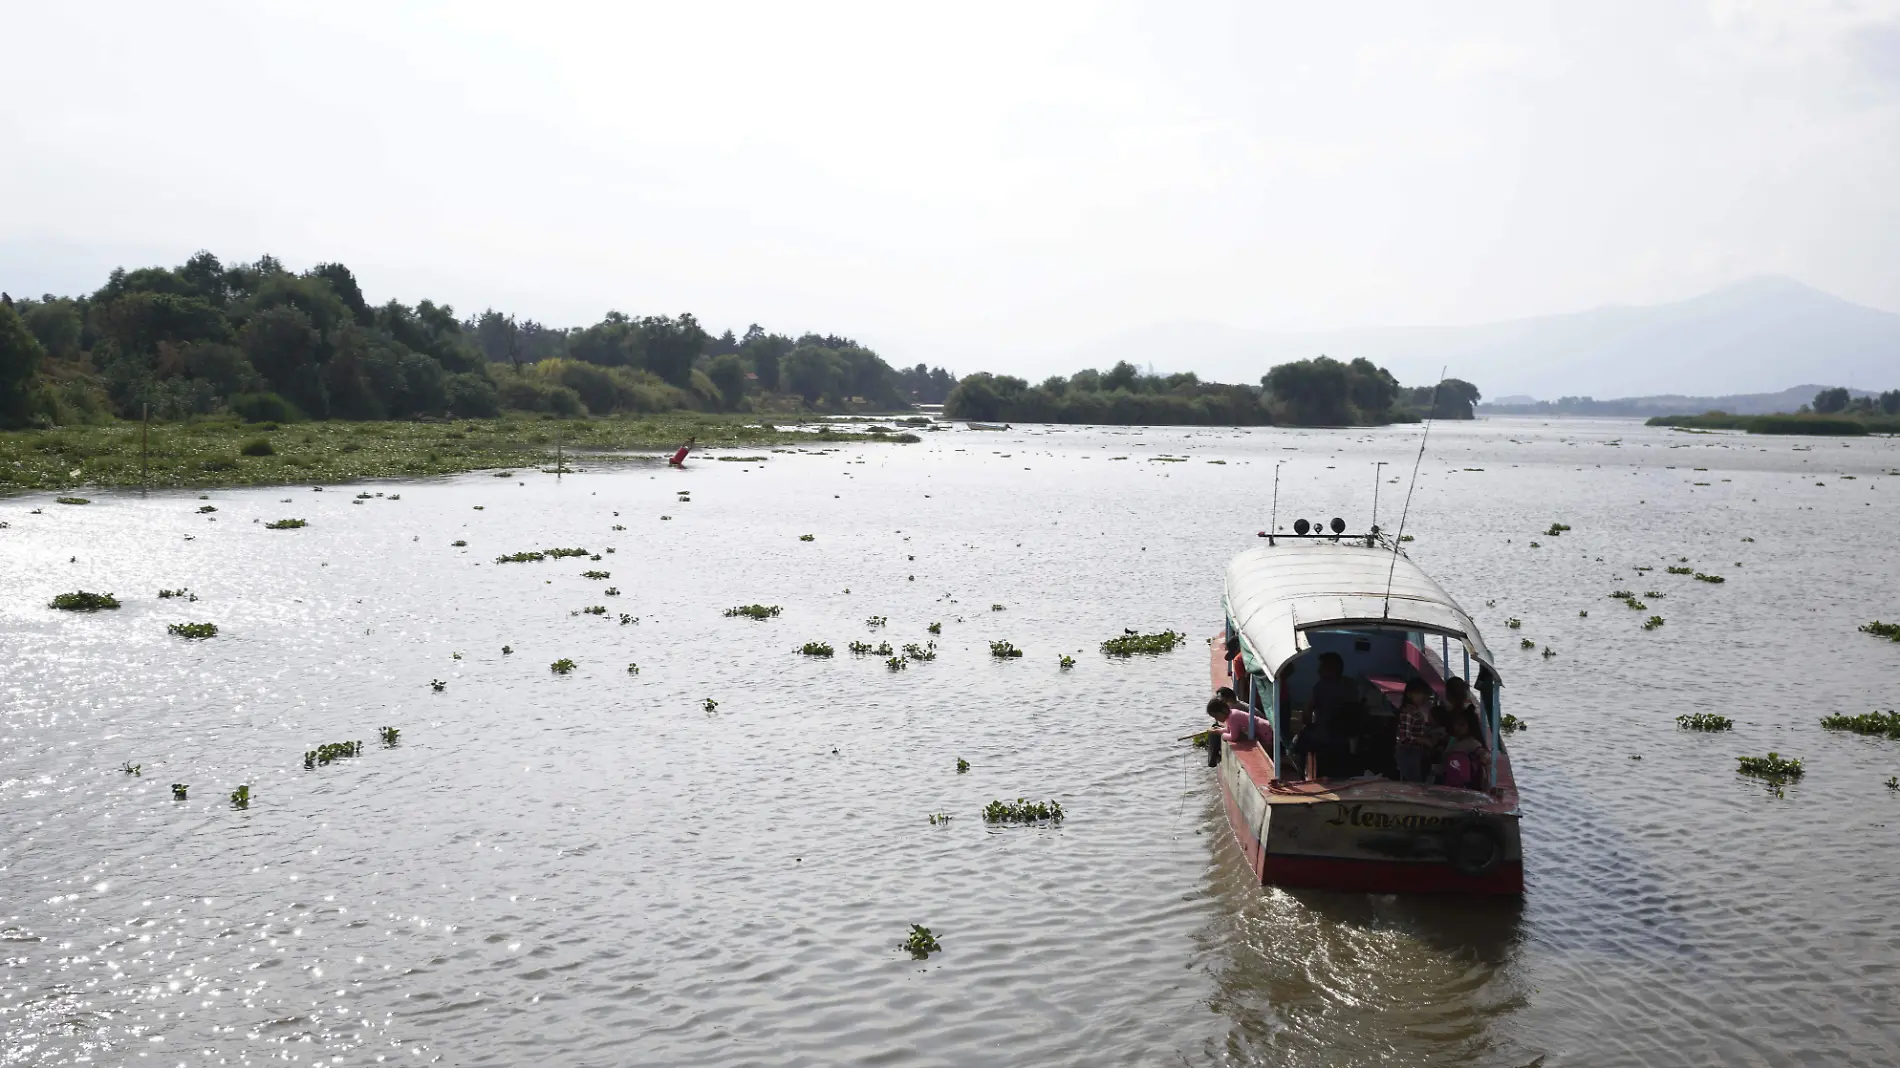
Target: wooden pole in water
[
  {"x": 559, "y": 438},
  {"x": 145, "y": 438}
]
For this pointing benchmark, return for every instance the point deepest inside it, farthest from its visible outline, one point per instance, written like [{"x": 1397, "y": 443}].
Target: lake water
[{"x": 594, "y": 869}]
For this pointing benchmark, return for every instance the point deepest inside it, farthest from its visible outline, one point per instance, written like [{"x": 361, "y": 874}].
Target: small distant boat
[
  {"x": 989, "y": 426},
  {"x": 1299, "y": 597}
]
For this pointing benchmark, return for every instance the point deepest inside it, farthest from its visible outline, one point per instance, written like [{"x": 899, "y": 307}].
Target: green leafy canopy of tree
[
  {"x": 270, "y": 344},
  {"x": 1316, "y": 392}
]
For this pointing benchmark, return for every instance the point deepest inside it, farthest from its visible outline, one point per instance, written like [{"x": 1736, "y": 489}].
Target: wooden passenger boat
[{"x": 1286, "y": 604}]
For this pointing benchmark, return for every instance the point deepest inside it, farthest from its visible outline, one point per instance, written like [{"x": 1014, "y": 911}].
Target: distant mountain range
[
  {"x": 1751, "y": 337},
  {"x": 1788, "y": 400}
]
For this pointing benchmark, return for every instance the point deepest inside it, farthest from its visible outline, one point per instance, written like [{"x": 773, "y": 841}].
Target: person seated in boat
[
  {"x": 1419, "y": 733},
  {"x": 1458, "y": 695},
  {"x": 1334, "y": 720},
  {"x": 1237, "y": 668},
  {"x": 1466, "y": 756}
]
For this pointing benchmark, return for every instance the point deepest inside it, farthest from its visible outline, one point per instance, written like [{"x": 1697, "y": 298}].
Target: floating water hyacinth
[
  {"x": 438, "y": 685},
  {"x": 130, "y": 768},
  {"x": 1772, "y": 766},
  {"x": 389, "y": 735},
  {"x": 632, "y": 668},
  {"x": 460, "y": 544},
  {"x": 1130, "y": 644},
  {"x": 920, "y": 652},
  {"x": 807, "y": 537},
  {"x": 506, "y": 649},
  {"x": 1548, "y": 652},
  {"x": 81, "y": 601},
  {"x": 194, "y": 630},
  {"x": 962, "y": 765},
  {"x": 1717, "y": 579},
  {"x": 1526, "y": 643},
  {"x": 937, "y": 818},
  {"x": 1880, "y": 724},
  {"x": 562, "y": 666},
  {"x": 921, "y": 943},
  {"x": 206, "y": 508},
  {"x": 286, "y": 524},
  {"x": 883, "y": 649},
  {"x": 1403, "y": 538},
  {"x": 1621, "y": 595},
  {"x": 820, "y": 649},
  {"x": 611, "y": 591},
  {"x": 1556, "y": 529},
  {"x": 1022, "y": 810},
  {"x": 71, "y": 500},
  {"x": 331, "y": 752},
  {"x": 859, "y": 648},
  {"x": 557, "y": 554},
  {"x": 1513, "y": 622},
  {"x": 1584, "y": 614},
  {"x": 1004, "y": 650},
  {"x": 895, "y": 663},
  {"x": 710, "y": 705},
  {"x": 997, "y": 608},
  {"x": 455, "y": 656},
  {"x": 1654, "y": 593},
  {"x": 596, "y": 575},
  {"x": 166, "y": 595},
  {"x": 937, "y": 628},
  {"x": 1636, "y": 605},
  {"x": 595, "y": 610},
  {"x": 180, "y": 790},
  {"x": 241, "y": 797},
  {"x": 628, "y": 620},
  {"x": 617, "y": 526},
  {"x": 1066, "y": 662},
  {"x": 875, "y": 622},
  {"x": 1511, "y": 724},
  {"x": 1652, "y": 622},
  {"x": 754, "y": 611},
  {"x": 1704, "y": 721},
  {"x": 1890, "y": 631},
  {"x": 1680, "y": 570}
]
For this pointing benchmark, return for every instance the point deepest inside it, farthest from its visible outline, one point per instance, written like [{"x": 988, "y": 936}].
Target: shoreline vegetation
[
  {"x": 1309, "y": 393},
  {"x": 1834, "y": 412},
  {"x": 1849, "y": 426},
  {"x": 267, "y": 344},
  {"x": 215, "y": 452}
]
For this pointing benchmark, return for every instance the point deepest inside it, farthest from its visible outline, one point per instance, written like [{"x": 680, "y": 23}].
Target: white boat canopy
[{"x": 1276, "y": 593}]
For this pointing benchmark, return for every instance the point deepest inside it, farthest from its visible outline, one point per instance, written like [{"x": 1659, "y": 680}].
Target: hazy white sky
[{"x": 983, "y": 185}]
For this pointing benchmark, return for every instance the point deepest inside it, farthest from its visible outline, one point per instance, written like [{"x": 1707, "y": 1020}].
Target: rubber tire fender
[{"x": 1474, "y": 846}]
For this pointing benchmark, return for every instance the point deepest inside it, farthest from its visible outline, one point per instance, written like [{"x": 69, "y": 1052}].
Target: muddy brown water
[{"x": 593, "y": 869}]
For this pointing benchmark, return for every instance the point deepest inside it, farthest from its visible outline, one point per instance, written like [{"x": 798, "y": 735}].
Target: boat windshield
[{"x": 1339, "y": 702}]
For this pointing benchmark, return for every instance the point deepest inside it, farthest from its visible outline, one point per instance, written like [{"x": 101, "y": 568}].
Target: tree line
[
  {"x": 266, "y": 343},
  {"x": 1838, "y": 401},
  {"x": 1318, "y": 392}
]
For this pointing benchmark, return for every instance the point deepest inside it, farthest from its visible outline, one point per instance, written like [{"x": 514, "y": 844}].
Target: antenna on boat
[
  {"x": 1273, "y": 516},
  {"x": 1377, "y": 477},
  {"x": 1399, "y": 538}
]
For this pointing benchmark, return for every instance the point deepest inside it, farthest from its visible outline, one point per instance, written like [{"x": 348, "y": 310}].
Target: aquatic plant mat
[
  {"x": 1130, "y": 644},
  {"x": 1879, "y": 724},
  {"x": 225, "y": 452}
]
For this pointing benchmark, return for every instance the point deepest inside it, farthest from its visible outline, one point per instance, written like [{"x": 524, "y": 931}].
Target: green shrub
[{"x": 258, "y": 447}]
